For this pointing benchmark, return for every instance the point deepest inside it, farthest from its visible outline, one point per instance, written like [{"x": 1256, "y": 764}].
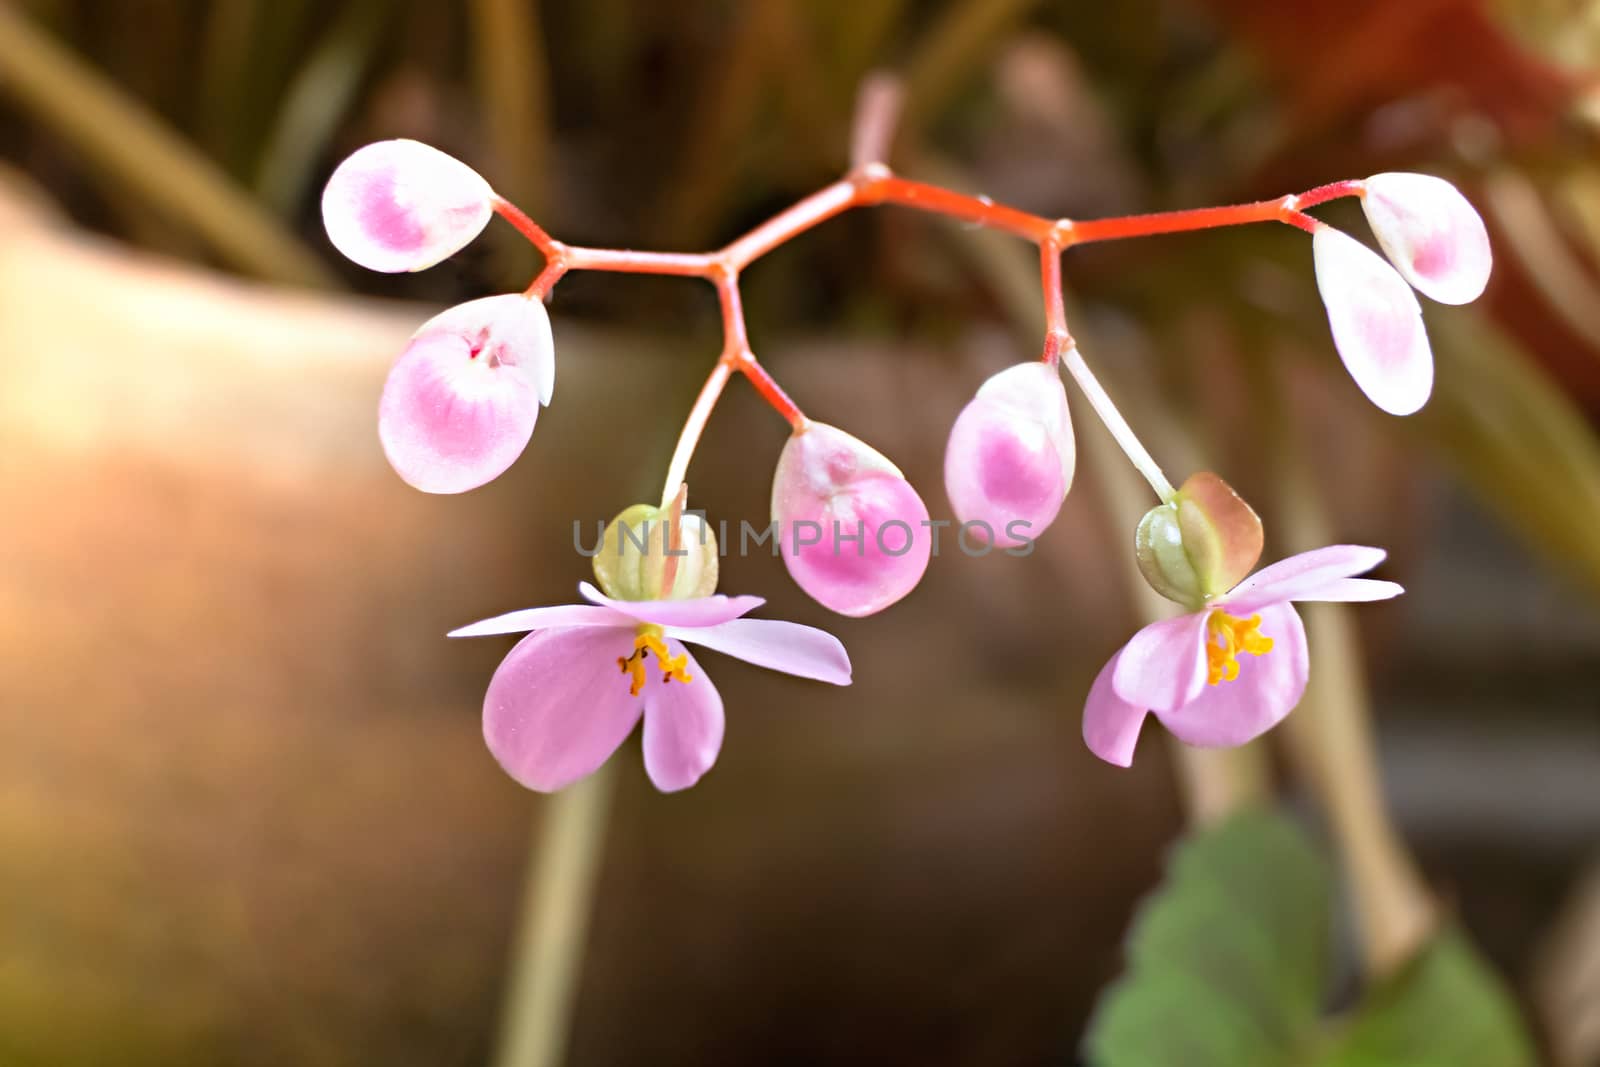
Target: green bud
[
  {"x": 646, "y": 555},
  {"x": 1158, "y": 544},
  {"x": 1199, "y": 545}
]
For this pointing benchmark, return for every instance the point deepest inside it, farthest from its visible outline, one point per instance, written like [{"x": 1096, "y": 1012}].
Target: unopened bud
[
  {"x": 651, "y": 553},
  {"x": 1201, "y": 544}
]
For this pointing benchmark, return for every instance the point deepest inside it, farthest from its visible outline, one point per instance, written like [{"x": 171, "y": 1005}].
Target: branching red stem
[{"x": 871, "y": 183}]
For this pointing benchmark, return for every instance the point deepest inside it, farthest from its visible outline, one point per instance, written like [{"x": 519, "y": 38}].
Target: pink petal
[
  {"x": 449, "y": 421},
  {"x": 1111, "y": 724},
  {"x": 565, "y": 615},
  {"x": 1309, "y": 576},
  {"x": 403, "y": 206},
  {"x": 512, "y": 329},
  {"x": 1010, "y": 458},
  {"x": 1432, "y": 235},
  {"x": 558, "y": 706},
  {"x": 697, "y": 612},
  {"x": 803, "y": 651},
  {"x": 683, "y": 725},
  {"x": 1267, "y": 688},
  {"x": 1164, "y": 665},
  {"x": 854, "y": 533},
  {"x": 1377, "y": 325}
]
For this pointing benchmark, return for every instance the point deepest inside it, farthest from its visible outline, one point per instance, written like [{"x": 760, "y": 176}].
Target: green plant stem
[
  {"x": 1329, "y": 740},
  {"x": 136, "y": 148},
  {"x": 547, "y": 957}
]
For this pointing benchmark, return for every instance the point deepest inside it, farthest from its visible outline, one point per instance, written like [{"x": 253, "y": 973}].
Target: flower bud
[
  {"x": 1201, "y": 544},
  {"x": 647, "y": 554},
  {"x": 1377, "y": 325},
  {"x": 1010, "y": 458},
  {"x": 853, "y": 532},
  {"x": 1430, "y": 232},
  {"x": 402, "y": 205},
  {"x": 459, "y": 404}
]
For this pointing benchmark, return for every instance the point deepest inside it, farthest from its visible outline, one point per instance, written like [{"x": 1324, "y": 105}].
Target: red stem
[
  {"x": 738, "y": 354},
  {"x": 870, "y": 184}
]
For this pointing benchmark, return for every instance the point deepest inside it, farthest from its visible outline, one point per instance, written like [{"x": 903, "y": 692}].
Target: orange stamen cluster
[
  {"x": 648, "y": 641},
  {"x": 1226, "y": 637}
]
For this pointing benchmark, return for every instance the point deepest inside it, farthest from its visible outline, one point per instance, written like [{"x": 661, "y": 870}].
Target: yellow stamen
[
  {"x": 650, "y": 640},
  {"x": 1226, "y": 637}
]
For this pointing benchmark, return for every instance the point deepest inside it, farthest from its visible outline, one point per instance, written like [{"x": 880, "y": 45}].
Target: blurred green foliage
[{"x": 1229, "y": 966}]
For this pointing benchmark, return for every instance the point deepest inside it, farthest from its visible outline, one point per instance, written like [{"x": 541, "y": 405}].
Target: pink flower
[
  {"x": 1228, "y": 673},
  {"x": 403, "y": 206},
  {"x": 1377, "y": 325},
  {"x": 571, "y": 691},
  {"x": 1430, "y": 233},
  {"x": 459, "y": 405},
  {"x": 854, "y": 534},
  {"x": 1011, "y": 457}
]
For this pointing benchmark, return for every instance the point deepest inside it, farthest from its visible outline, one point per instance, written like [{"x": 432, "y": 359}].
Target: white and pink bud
[
  {"x": 854, "y": 533},
  {"x": 1011, "y": 457},
  {"x": 400, "y": 205},
  {"x": 1432, "y": 235},
  {"x": 1376, "y": 322},
  {"x": 459, "y": 405}
]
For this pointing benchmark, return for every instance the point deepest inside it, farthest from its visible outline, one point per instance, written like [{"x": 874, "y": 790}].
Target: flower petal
[
  {"x": 803, "y": 651},
  {"x": 697, "y": 612},
  {"x": 1433, "y": 236},
  {"x": 1164, "y": 665},
  {"x": 402, "y": 206},
  {"x": 853, "y": 532},
  {"x": 449, "y": 421},
  {"x": 1111, "y": 724},
  {"x": 1267, "y": 688},
  {"x": 557, "y": 706},
  {"x": 563, "y": 615},
  {"x": 683, "y": 726},
  {"x": 1010, "y": 458},
  {"x": 1377, "y": 324},
  {"x": 511, "y": 328},
  {"x": 1305, "y": 577}
]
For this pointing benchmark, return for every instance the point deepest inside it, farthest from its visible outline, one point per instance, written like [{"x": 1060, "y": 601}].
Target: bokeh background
[{"x": 245, "y": 812}]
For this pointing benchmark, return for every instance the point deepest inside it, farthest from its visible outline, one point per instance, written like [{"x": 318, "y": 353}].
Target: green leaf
[
  {"x": 1228, "y": 961},
  {"x": 1228, "y": 966},
  {"x": 1446, "y": 1009}
]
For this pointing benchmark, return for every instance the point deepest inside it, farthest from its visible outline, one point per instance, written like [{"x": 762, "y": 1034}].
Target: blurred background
[{"x": 246, "y": 816}]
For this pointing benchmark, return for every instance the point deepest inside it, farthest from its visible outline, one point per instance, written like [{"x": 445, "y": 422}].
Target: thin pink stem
[
  {"x": 693, "y": 427},
  {"x": 1332, "y": 191}
]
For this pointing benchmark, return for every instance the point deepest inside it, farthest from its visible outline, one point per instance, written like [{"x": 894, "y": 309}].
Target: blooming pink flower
[
  {"x": 1011, "y": 457},
  {"x": 459, "y": 405},
  {"x": 854, "y": 533},
  {"x": 1377, "y": 325},
  {"x": 571, "y": 691},
  {"x": 1430, "y": 233},
  {"x": 1223, "y": 675},
  {"x": 403, "y": 206}
]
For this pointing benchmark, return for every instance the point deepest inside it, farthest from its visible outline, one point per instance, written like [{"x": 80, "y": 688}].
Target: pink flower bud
[
  {"x": 403, "y": 206},
  {"x": 853, "y": 532},
  {"x": 1377, "y": 325},
  {"x": 1431, "y": 234},
  {"x": 1011, "y": 456},
  {"x": 460, "y": 402}
]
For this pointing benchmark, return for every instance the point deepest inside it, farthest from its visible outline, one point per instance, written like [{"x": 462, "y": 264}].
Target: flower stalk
[
  {"x": 547, "y": 956},
  {"x": 871, "y": 183}
]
